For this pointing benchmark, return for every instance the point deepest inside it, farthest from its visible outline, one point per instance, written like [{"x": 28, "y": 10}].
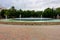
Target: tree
[
  {"x": 39, "y": 13},
  {"x": 6, "y": 14},
  {"x": 48, "y": 13},
  {"x": 20, "y": 12},
  {"x": 13, "y": 12},
  {"x": 3, "y": 12},
  {"x": 27, "y": 13},
  {"x": 33, "y": 13},
  {"x": 0, "y": 14},
  {"x": 58, "y": 11}
]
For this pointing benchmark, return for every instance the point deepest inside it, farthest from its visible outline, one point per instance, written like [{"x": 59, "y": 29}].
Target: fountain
[
  {"x": 41, "y": 16},
  {"x": 31, "y": 19},
  {"x": 20, "y": 16},
  {"x": 57, "y": 16},
  {"x": 6, "y": 17}
]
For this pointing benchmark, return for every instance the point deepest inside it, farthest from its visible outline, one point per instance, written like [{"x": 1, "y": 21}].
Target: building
[{"x": 1, "y": 8}]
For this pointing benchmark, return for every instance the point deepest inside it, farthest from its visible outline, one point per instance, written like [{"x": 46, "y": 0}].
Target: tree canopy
[{"x": 14, "y": 13}]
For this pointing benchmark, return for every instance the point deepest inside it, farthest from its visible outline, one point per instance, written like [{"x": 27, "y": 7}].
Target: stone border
[{"x": 31, "y": 23}]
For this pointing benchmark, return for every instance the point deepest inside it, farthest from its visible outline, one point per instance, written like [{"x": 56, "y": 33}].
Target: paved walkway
[{"x": 29, "y": 32}]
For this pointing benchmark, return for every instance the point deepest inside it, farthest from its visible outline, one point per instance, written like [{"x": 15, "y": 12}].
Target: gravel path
[{"x": 29, "y": 32}]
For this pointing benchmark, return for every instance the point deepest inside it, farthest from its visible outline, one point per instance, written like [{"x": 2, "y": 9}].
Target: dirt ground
[{"x": 29, "y": 32}]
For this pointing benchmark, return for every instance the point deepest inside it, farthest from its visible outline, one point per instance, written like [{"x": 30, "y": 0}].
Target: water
[
  {"x": 19, "y": 16},
  {"x": 32, "y": 19},
  {"x": 41, "y": 16},
  {"x": 6, "y": 17},
  {"x": 41, "y": 19},
  {"x": 36, "y": 20}
]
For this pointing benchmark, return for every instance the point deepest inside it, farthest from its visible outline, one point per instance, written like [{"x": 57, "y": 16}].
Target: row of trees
[{"x": 13, "y": 13}]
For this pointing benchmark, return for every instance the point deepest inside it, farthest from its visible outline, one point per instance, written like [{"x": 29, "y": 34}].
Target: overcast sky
[{"x": 30, "y": 4}]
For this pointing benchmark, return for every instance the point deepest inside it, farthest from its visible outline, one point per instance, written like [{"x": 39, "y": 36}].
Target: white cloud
[{"x": 30, "y": 4}]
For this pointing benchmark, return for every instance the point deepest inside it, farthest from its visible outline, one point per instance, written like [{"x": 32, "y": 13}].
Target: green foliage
[
  {"x": 3, "y": 12},
  {"x": 58, "y": 11},
  {"x": 13, "y": 13},
  {"x": 49, "y": 13},
  {"x": 26, "y": 13},
  {"x": 39, "y": 13}
]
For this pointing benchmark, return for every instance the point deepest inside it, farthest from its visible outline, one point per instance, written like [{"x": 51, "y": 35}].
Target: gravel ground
[{"x": 29, "y": 32}]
